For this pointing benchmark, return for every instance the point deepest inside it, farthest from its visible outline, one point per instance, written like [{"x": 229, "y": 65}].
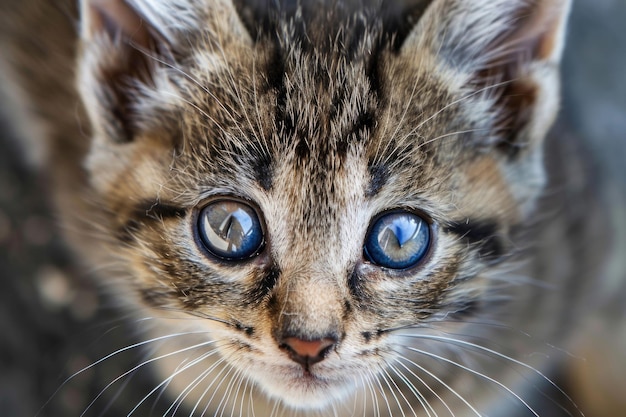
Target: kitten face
[{"x": 318, "y": 140}]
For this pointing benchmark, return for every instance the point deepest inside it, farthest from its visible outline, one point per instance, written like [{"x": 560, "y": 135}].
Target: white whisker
[
  {"x": 115, "y": 353},
  {"x": 440, "y": 381},
  {"x": 178, "y": 401},
  {"x": 144, "y": 363},
  {"x": 235, "y": 380},
  {"x": 167, "y": 380},
  {"x": 202, "y": 377},
  {"x": 220, "y": 382},
  {"x": 393, "y": 389},
  {"x": 383, "y": 394},
  {"x": 474, "y": 372},
  {"x": 496, "y": 354},
  {"x": 420, "y": 398}
]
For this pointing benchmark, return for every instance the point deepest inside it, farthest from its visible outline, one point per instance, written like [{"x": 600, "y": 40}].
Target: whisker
[
  {"x": 499, "y": 355},
  {"x": 447, "y": 135},
  {"x": 274, "y": 408},
  {"x": 399, "y": 124},
  {"x": 228, "y": 370},
  {"x": 239, "y": 393},
  {"x": 432, "y": 391},
  {"x": 406, "y": 155},
  {"x": 109, "y": 356},
  {"x": 223, "y": 404},
  {"x": 178, "y": 401},
  {"x": 251, "y": 401},
  {"x": 166, "y": 381},
  {"x": 461, "y": 99},
  {"x": 368, "y": 383},
  {"x": 389, "y": 381},
  {"x": 440, "y": 381},
  {"x": 243, "y": 397},
  {"x": 116, "y": 395},
  {"x": 474, "y": 372},
  {"x": 382, "y": 392},
  {"x": 420, "y": 398},
  {"x": 203, "y": 376},
  {"x": 146, "y": 362},
  {"x": 444, "y": 108},
  {"x": 202, "y": 112}
]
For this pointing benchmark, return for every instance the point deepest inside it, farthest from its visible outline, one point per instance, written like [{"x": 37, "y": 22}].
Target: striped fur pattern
[{"x": 323, "y": 115}]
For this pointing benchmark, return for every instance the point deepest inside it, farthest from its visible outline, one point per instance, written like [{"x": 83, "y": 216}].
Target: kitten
[{"x": 325, "y": 208}]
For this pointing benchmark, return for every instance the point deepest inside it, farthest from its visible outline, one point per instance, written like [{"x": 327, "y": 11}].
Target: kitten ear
[
  {"x": 120, "y": 51},
  {"x": 130, "y": 48},
  {"x": 505, "y": 54}
]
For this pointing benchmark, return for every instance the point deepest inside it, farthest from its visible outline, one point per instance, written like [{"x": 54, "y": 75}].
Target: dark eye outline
[
  {"x": 200, "y": 242},
  {"x": 432, "y": 229}
]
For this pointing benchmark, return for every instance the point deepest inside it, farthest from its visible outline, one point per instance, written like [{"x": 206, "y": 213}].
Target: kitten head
[{"x": 308, "y": 184}]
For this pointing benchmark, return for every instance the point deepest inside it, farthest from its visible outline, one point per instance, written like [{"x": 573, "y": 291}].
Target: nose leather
[{"x": 307, "y": 352}]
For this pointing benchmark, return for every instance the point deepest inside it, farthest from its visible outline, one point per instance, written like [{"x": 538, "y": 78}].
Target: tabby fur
[{"x": 322, "y": 114}]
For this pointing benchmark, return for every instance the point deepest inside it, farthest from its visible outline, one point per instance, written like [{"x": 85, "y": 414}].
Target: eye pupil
[
  {"x": 397, "y": 240},
  {"x": 230, "y": 229}
]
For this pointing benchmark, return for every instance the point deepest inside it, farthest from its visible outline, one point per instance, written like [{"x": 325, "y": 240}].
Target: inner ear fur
[
  {"x": 121, "y": 50},
  {"x": 130, "y": 48},
  {"x": 523, "y": 64},
  {"x": 507, "y": 52},
  {"x": 117, "y": 19}
]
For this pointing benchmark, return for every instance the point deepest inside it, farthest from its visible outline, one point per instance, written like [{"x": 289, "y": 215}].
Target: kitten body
[{"x": 322, "y": 116}]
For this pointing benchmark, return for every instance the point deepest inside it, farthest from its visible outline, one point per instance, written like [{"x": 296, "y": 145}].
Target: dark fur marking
[
  {"x": 154, "y": 298},
  {"x": 249, "y": 331},
  {"x": 276, "y": 73},
  {"x": 378, "y": 178},
  {"x": 369, "y": 336},
  {"x": 347, "y": 309},
  {"x": 302, "y": 148},
  {"x": 372, "y": 72},
  {"x": 400, "y": 17},
  {"x": 127, "y": 232},
  {"x": 273, "y": 305},
  {"x": 337, "y": 104},
  {"x": 342, "y": 149},
  {"x": 482, "y": 233},
  {"x": 276, "y": 81},
  {"x": 262, "y": 166},
  {"x": 356, "y": 285},
  {"x": 158, "y": 211},
  {"x": 365, "y": 123},
  {"x": 265, "y": 285},
  {"x": 145, "y": 212}
]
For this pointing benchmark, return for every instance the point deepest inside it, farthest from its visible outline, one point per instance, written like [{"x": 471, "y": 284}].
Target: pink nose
[{"x": 307, "y": 352}]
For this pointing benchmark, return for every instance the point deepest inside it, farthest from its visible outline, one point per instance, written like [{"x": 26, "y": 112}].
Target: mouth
[{"x": 303, "y": 387}]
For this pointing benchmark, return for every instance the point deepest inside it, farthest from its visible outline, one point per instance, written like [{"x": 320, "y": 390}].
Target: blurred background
[{"x": 54, "y": 321}]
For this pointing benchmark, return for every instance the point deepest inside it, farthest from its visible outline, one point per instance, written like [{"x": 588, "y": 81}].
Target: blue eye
[
  {"x": 397, "y": 240},
  {"x": 230, "y": 229}
]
